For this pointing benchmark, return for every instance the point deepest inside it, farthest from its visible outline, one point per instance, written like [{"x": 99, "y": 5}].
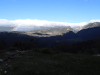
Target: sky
[{"x": 23, "y": 13}]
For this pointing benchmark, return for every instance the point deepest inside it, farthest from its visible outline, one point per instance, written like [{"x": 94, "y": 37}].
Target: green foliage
[
  {"x": 46, "y": 50},
  {"x": 13, "y": 48}
]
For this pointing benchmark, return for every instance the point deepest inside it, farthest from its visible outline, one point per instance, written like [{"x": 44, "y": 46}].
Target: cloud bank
[{"x": 27, "y": 24}]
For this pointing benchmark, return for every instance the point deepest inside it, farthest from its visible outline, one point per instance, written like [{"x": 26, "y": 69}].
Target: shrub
[
  {"x": 37, "y": 50},
  {"x": 13, "y": 48},
  {"x": 46, "y": 50}
]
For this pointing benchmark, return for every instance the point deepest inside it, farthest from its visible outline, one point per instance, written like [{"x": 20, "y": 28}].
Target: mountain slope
[
  {"x": 90, "y": 33},
  {"x": 91, "y": 25},
  {"x": 64, "y": 35}
]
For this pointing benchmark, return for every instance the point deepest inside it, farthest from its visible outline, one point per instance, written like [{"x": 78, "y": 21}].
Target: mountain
[
  {"x": 6, "y": 28},
  {"x": 90, "y": 31},
  {"x": 50, "y": 36},
  {"x": 50, "y": 31},
  {"x": 11, "y": 37},
  {"x": 67, "y": 38},
  {"x": 77, "y": 28},
  {"x": 89, "y": 34},
  {"x": 91, "y": 25}
]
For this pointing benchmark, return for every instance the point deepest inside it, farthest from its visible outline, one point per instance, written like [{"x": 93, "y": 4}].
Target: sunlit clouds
[{"x": 28, "y": 24}]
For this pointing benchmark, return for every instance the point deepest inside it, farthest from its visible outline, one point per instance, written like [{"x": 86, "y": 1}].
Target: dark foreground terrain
[{"x": 40, "y": 62}]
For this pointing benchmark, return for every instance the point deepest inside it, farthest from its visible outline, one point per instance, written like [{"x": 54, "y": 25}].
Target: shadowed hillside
[{"x": 90, "y": 33}]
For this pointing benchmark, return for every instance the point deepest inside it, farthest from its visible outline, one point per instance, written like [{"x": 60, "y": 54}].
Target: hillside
[
  {"x": 91, "y": 25},
  {"x": 33, "y": 63},
  {"x": 63, "y": 35},
  {"x": 90, "y": 33}
]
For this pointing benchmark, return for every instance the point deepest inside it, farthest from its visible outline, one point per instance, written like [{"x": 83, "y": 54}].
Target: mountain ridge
[{"x": 67, "y": 37}]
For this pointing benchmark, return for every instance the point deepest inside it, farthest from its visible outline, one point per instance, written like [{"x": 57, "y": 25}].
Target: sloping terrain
[
  {"x": 90, "y": 33},
  {"x": 33, "y": 63},
  {"x": 91, "y": 25},
  {"x": 48, "y": 37}
]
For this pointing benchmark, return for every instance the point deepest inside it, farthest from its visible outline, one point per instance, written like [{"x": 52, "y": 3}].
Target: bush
[
  {"x": 13, "y": 48},
  {"x": 46, "y": 50},
  {"x": 36, "y": 50}
]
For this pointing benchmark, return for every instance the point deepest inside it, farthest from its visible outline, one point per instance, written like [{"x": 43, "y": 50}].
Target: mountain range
[{"x": 50, "y": 36}]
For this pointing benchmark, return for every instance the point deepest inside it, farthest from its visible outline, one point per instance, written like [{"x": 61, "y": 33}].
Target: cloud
[
  {"x": 94, "y": 21},
  {"x": 4, "y": 22},
  {"x": 6, "y": 25},
  {"x": 36, "y": 22},
  {"x": 27, "y": 24}
]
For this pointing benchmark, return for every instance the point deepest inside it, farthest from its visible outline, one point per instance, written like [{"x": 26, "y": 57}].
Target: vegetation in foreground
[
  {"x": 74, "y": 59},
  {"x": 55, "y": 63},
  {"x": 87, "y": 47}
]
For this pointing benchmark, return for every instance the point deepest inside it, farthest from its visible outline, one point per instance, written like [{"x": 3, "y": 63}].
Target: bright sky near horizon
[{"x": 47, "y": 11}]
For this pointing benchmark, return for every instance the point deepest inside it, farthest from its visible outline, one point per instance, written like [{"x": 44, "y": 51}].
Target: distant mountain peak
[{"x": 91, "y": 25}]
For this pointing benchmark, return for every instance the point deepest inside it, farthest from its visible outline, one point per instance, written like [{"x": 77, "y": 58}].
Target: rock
[
  {"x": 8, "y": 52},
  {"x": 17, "y": 50},
  {"x": 1, "y": 59},
  {"x": 27, "y": 56},
  {"x": 0, "y": 69},
  {"x": 97, "y": 55},
  {"x": 5, "y": 71},
  {"x": 9, "y": 61},
  {"x": 6, "y": 64},
  {"x": 9, "y": 65},
  {"x": 6, "y": 59}
]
